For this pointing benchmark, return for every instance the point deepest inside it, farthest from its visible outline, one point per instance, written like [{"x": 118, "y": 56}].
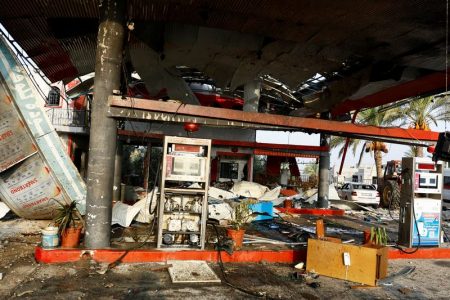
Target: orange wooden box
[{"x": 367, "y": 263}]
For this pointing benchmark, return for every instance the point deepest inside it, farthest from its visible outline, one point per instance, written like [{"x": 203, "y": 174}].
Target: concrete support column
[
  {"x": 146, "y": 167},
  {"x": 102, "y": 142},
  {"x": 252, "y": 92},
  {"x": 324, "y": 171},
  {"x": 118, "y": 171}
]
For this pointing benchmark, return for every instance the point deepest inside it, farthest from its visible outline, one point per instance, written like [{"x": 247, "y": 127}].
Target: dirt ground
[{"x": 22, "y": 277}]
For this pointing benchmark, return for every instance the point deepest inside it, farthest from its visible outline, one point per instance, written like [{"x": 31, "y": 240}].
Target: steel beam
[
  {"x": 266, "y": 121},
  {"x": 423, "y": 85}
]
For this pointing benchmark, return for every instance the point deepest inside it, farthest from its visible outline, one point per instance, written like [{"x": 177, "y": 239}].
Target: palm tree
[
  {"x": 421, "y": 113},
  {"x": 312, "y": 170},
  {"x": 412, "y": 152},
  {"x": 371, "y": 116}
]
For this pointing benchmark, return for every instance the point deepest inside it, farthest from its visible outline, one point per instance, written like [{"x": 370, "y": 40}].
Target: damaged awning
[{"x": 283, "y": 154}]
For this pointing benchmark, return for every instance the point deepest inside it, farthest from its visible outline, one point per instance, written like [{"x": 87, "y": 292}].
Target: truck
[{"x": 391, "y": 185}]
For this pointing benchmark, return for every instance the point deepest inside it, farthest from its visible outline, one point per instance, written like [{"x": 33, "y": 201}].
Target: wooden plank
[{"x": 326, "y": 258}]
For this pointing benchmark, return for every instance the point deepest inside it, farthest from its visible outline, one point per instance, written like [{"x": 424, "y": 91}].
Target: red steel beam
[
  {"x": 420, "y": 86},
  {"x": 307, "y": 124},
  {"x": 215, "y": 142}
]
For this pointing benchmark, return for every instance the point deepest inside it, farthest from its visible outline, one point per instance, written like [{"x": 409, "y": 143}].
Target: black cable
[
  {"x": 222, "y": 269},
  {"x": 119, "y": 259}
]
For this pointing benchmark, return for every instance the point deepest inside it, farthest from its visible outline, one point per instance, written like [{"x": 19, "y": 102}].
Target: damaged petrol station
[{"x": 130, "y": 164}]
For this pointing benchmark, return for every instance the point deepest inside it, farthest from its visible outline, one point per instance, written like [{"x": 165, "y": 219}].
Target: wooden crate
[{"x": 368, "y": 263}]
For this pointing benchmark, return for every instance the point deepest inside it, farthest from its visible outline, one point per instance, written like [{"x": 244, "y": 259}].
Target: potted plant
[
  {"x": 69, "y": 222},
  {"x": 378, "y": 236},
  {"x": 240, "y": 215}
]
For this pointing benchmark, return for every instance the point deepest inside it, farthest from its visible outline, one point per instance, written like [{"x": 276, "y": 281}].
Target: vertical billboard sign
[{"x": 27, "y": 106}]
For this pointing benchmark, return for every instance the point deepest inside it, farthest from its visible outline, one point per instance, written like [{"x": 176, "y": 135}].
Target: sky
[{"x": 298, "y": 138}]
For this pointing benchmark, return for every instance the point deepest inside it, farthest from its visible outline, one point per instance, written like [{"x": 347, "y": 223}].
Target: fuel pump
[{"x": 420, "y": 202}]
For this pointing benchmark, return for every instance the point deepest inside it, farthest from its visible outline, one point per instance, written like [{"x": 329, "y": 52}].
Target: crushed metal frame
[{"x": 159, "y": 111}]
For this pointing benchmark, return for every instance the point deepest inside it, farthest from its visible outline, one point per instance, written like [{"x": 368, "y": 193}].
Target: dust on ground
[{"x": 22, "y": 277}]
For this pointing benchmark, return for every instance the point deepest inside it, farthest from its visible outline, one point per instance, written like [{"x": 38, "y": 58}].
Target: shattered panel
[
  {"x": 29, "y": 189},
  {"x": 15, "y": 144}
]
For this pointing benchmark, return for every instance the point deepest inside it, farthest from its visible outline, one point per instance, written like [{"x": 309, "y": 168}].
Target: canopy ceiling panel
[{"x": 233, "y": 41}]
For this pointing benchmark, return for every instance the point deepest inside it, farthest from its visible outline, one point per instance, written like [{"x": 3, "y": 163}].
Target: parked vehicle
[
  {"x": 361, "y": 193},
  {"x": 392, "y": 183}
]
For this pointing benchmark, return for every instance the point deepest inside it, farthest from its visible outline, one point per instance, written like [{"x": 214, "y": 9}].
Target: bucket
[{"x": 50, "y": 237}]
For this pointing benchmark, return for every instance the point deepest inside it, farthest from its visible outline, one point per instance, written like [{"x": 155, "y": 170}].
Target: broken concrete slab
[{"x": 189, "y": 271}]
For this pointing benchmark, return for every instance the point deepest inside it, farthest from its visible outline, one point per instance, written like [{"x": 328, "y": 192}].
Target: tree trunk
[{"x": 378, "y": 163}]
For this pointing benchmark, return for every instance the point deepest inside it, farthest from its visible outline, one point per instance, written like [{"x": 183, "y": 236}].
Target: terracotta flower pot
[
  {"x": 237, "y": 236},
  {"x": 367, "y": 236},
  {"x": 287, "y": 203},
  {"x": 70, "y": 238}
]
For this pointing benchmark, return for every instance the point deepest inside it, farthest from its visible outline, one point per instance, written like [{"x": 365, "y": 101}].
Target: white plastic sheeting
[{"x": 249, "y": 189}]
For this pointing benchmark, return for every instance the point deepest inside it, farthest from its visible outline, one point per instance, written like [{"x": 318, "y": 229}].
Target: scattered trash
[
  {"x": 24, "y": 293},
  {"x": 249, "y": 189},
  {"x": 109, "y": 285},
  {"x": 405, "y": 291},
  {"x": 128, "y": 239},
  {"x": 161, "y": 268},
  {"x": 103, "y": 268},
  {"x": 403, "y": 272},
  {"x": 4, "y": 209},
  {"x": 299, "y": 265},
  {"x": 1, "y": 276},
  {"x": 314, "y": 284}
]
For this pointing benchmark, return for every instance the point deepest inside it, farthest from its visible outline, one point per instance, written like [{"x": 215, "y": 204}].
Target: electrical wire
[
  {"x": 119, "y": 259},
  {"x": 222, "y": 269}
]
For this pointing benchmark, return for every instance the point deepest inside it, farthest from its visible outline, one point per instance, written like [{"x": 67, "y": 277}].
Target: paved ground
[{"x": 24, "y": 278}]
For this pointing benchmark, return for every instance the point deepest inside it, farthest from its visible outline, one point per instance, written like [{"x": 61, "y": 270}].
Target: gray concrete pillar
[
  {"x": 118, "y": 171},
  {"x": 252, "y": 92},
  {"x": 102, "y": 142},
  {"x": 324, "y": 170}
]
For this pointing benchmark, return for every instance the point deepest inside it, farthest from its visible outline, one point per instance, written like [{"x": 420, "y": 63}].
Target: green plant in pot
[
  {"x": 241, "y": 215},
  {"x": 69, "y": 222},
  {"x": 378, "y": 236}
]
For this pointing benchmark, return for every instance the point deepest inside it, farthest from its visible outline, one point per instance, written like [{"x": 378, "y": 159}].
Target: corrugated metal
[{"x": 334, "y": 28}]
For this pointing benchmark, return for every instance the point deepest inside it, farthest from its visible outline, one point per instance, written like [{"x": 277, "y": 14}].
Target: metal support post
[
  {"x": 118, "y": 171},
  {"x": 324, "y": 171},
  {"x": 252, "y": 92},
  {"x": 146, "y": 167},
  {"x": 102, "y": 143}
]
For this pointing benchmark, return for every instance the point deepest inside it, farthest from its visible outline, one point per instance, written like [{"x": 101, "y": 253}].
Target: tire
[{"x": 391, "y": 195}]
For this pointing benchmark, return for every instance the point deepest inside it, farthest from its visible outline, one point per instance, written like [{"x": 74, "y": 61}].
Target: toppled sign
[{"x": 34, "y": 168}]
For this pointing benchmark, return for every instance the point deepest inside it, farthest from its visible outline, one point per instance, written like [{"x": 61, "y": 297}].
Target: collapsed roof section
[{"x": 360, "y": 48}]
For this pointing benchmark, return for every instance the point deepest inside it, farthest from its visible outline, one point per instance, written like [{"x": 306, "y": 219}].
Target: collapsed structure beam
[
  {"x": 313, "y": 151},
  {"x": 174, "y": 112},
  {"x": 424, "y": 85}
]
